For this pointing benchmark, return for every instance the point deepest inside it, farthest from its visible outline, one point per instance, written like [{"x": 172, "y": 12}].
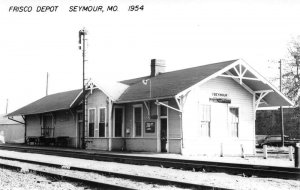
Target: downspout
[{"x": 110, "y": 121}]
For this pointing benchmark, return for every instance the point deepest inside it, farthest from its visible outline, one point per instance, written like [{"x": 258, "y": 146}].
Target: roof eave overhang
[
  {"x": 259, "y": 76},
  {"x": 72, "y": 104},
  {"x": 35, "y": 113}
]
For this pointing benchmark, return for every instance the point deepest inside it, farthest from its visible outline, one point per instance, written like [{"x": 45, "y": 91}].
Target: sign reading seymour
[{"x": 220, "y": 98}]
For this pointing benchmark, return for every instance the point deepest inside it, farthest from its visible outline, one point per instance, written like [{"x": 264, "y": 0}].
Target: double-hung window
[
  {"x": 102, "y": 122},
  {"x": 137, "y": 120},
  {"x": 234, "y": 121},
  {"x": 91, "y": 122},
  {"x": 205, "y": 119}
]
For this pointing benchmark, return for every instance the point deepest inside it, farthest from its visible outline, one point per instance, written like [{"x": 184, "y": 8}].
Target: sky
[{"x": 184, "y": 33}]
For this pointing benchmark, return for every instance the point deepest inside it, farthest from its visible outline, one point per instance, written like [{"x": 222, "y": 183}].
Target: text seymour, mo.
[{"x": 21, "y": 9}]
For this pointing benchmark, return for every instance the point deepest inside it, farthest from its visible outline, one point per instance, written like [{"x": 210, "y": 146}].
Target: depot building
[{"x": 209, "y": 109}]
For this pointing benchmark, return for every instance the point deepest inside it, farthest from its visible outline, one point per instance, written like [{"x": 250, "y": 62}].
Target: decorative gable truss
[
  {"x": 246, "y": 76},
  {"x": 240, "y": 73}
]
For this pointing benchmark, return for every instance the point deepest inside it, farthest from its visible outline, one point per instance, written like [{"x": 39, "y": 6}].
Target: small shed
[{"x": 11, "y": 131}]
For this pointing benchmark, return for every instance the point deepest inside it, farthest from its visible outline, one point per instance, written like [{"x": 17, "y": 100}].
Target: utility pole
[
  {"x": 47, "y": 84},
  {"x": 82, "y": 41},
  {"x": 281, "y": 109}
]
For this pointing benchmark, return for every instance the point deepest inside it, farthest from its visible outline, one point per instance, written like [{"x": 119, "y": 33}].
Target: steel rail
[
  {"x": 152, "y": 180},
  {"x": 209, "y": 166},
  {"x": 86, "y": 182}
]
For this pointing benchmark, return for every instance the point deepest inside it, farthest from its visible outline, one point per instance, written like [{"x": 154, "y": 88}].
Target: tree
[{"x": 291, "y": 72}]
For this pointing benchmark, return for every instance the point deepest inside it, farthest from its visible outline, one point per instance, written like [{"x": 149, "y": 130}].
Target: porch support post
[
  {"x": 110, "y": 120},
  {"x": 25, "y": 127},
  {"x": 158, "y": 143}
]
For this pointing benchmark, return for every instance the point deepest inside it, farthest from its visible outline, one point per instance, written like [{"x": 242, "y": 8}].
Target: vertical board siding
[
  {"x": 33, "y": 125},
  {"x": 64, "y": 124},
  {"x": 241, "y": 98}
]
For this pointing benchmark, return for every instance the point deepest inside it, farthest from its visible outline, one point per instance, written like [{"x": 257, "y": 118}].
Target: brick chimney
[{"x": 157, "y": 66}]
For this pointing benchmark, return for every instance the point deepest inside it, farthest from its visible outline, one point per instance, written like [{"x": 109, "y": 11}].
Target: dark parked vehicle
[{"x": 275, "y": 140}]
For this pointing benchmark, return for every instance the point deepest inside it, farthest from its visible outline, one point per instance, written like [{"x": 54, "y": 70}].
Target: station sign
[
  {"x": 220, "y": 98},
  {"x": 150, "y": 127}
]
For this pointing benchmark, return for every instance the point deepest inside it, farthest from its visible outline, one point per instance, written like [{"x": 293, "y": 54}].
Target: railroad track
[
  {"x": 86, "y": 182},
  {"x": 95, "y": 183},
  {"x": 208, "y": 166}
]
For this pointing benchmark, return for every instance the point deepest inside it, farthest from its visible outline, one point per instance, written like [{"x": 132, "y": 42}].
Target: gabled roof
[
  {"x": 112, "y": 89},
  {"x": 176, "y": 83},
  {"x": 169, "y": 84},
  {"x": 53, "y": 102}
]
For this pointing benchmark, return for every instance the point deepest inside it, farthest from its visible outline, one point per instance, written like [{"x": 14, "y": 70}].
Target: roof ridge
[
  {"x": 62, "y": 92},
  {"x": 148, "y": 76}
]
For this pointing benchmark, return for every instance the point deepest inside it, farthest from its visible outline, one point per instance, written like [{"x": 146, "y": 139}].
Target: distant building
[
  {"x": 268, "y": 122},
  {"x": 207, "y": 109},
  {"x": 12, "y": 131}
]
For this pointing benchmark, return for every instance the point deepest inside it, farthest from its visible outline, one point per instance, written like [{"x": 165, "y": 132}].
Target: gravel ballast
[
  {"x": 20, "y": 181},
  {"x": 203, "y": 178}
]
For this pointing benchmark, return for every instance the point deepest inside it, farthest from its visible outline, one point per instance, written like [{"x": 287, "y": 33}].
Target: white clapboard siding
[{"x": 196, "y": 144}]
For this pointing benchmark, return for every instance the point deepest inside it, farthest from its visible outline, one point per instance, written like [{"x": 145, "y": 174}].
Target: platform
[{"x": 280, "y": 159}]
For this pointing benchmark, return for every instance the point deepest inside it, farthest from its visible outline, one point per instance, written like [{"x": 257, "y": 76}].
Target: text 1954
[{"x": 136, "y": 8}]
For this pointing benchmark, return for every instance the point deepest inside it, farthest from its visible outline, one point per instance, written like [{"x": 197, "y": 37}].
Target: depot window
[
  {"x": 102, "y": 122},
  {"x": 137, "y": 120},
  {"x": 234, "y": 122},
  {"x": 91, "y": 122},
  {"x": 205, "y": 120}
]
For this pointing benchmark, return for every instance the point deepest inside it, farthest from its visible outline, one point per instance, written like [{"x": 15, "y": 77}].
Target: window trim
[
  {"x": 105, "y": 121},
  {"x": 142, "y": 120},
  {"x": 88, "y": 126},
  {"x": 200, "y": 119},
  {"x": 229, "y": 122}
]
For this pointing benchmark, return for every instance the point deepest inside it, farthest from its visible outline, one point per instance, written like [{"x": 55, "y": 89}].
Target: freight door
[
  {"x": 163, "y": 134},
  {"x": 118, "y": 122}
]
